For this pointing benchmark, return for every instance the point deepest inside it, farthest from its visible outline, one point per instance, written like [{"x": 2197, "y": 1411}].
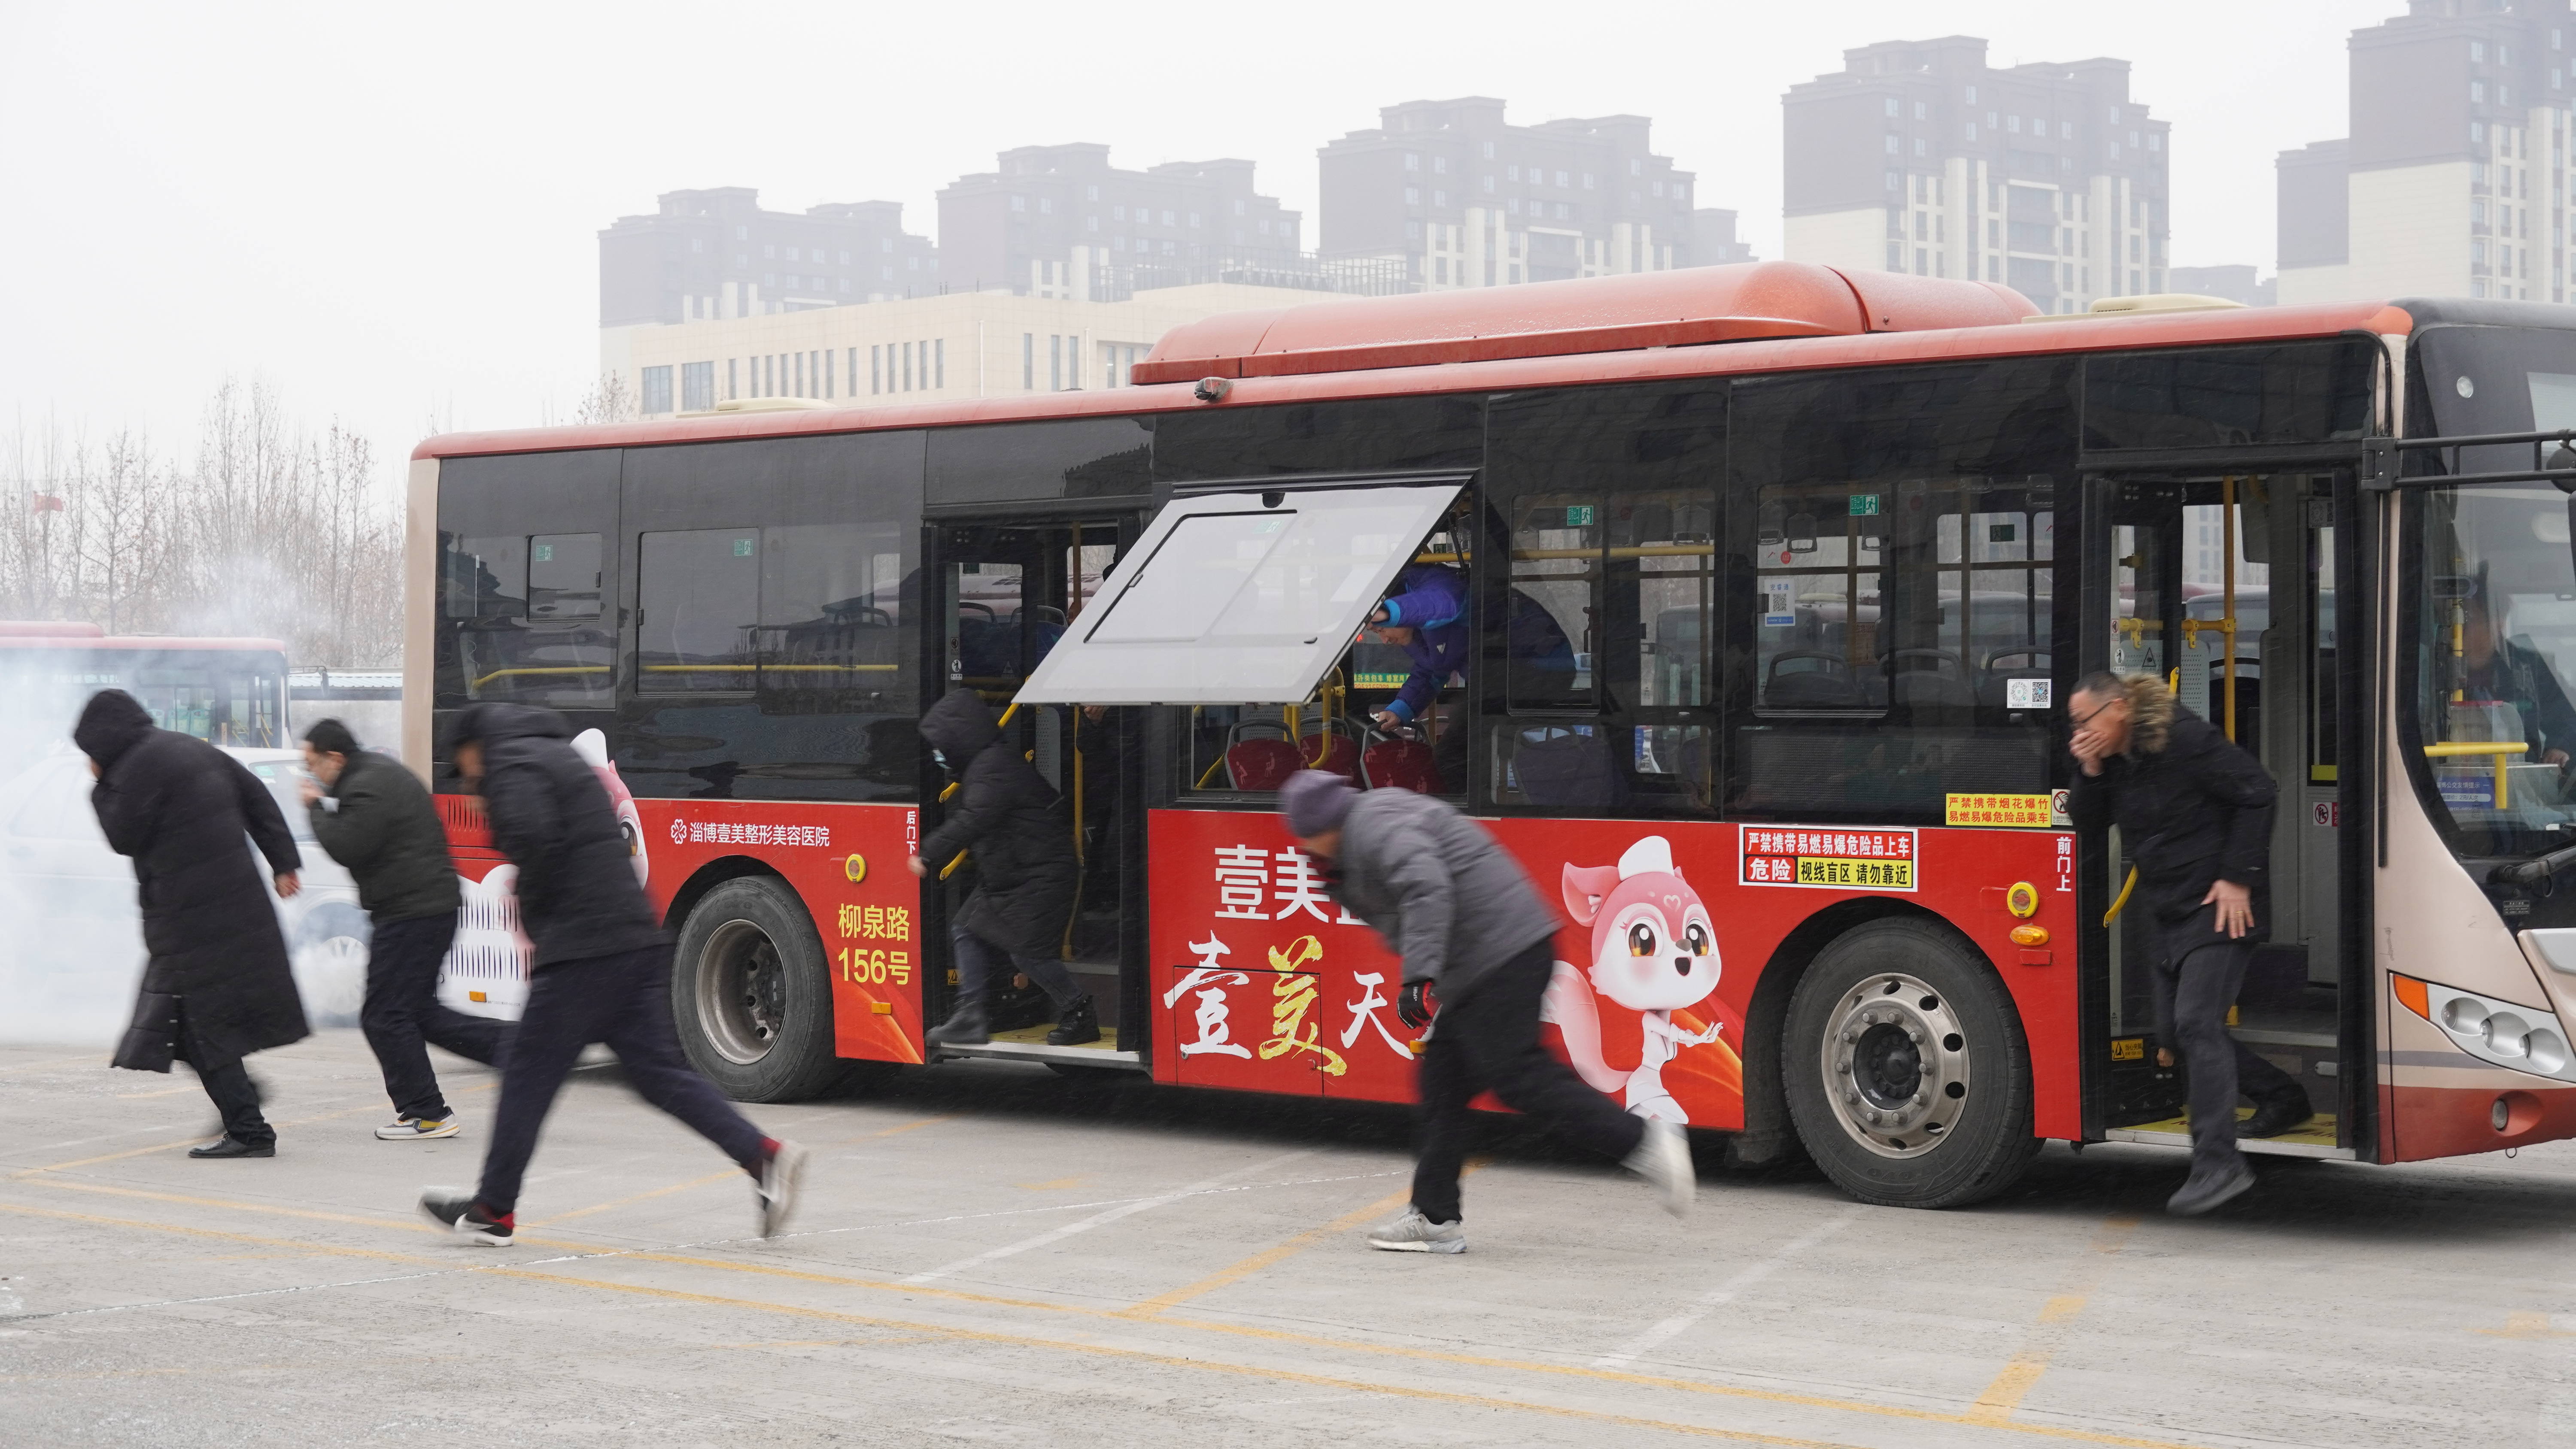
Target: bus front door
[
  {"x": 2224, "y": 586},
  {"x": 1010, "y": 589}
]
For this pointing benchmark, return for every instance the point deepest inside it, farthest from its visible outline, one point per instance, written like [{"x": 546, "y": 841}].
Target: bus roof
[
  {"x": 1772, "y": 316},
  {"x": 11, "y": 637}
]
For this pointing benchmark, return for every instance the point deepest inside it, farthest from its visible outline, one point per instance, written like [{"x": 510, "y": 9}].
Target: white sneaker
[
  {"x": 1411, "y": 1232},
  {"x": 403, "y": 1129},
  {"x": 780, "y": 1177},
  {"x": 1663, "y": 1159}
]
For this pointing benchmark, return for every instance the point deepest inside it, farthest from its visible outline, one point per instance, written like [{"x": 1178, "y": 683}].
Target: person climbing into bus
[
  {"x": 1463, "y": 915},
  {"x": 1426, "y": 614},
  {"x": 2195, "y": 817},
  {"x": 2493, "y": 667},
  {"x": 1025, "y": 874}
]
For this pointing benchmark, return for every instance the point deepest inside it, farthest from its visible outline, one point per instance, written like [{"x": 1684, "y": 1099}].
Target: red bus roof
[
  {"x": 48, "y": 628},
  {"x": 1773, "y": 317}
]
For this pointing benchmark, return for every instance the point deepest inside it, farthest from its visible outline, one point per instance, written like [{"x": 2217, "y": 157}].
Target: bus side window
[
  {"x": 697, "y": 595},
  {"x": 1899, "y": 530},
  {"x": 522, "y": 618}
]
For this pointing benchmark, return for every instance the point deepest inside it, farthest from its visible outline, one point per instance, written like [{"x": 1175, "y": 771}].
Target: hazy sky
[{"x": 390, "y": 213}]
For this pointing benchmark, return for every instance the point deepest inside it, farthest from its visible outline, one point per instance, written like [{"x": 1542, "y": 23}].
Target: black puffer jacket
[
  {"x": 180, "y": 808},
  {"x": 2193, "y": 808},
  {"x": 578, "y": 895},
  {"x": 1007, "y": 814},
  {"x": 378, "y": 822}
]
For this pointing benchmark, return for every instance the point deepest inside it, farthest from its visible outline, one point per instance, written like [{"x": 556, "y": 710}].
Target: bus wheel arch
[
  {"x": 1769, "y": 1136},
  {"x": 1904, "y": 1064},
  {"x": 751, "y": 991}
]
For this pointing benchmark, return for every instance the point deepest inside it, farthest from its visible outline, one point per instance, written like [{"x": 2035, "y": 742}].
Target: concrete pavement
[{"x": 988, "y": 1253}]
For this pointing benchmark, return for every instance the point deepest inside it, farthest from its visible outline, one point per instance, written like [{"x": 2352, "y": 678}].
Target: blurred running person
[
  {"x": 601, "y": 970},
  {"x": 375, "y": 818},
  {"x": 1465, "y": 918},
  {"x": 217, "y": 987}
]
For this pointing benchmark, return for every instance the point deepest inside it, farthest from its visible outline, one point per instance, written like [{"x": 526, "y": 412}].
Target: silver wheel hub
[
  {"x": 1895, "y": 1065},
  {"x": 741, "y": 992}
]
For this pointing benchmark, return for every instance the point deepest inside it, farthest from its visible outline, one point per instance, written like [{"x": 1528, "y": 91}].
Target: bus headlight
[{"x": 2504, "y": 1033}]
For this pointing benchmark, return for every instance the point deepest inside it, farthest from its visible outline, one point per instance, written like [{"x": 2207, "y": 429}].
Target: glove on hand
[{"x": 1413, "y": 1004}]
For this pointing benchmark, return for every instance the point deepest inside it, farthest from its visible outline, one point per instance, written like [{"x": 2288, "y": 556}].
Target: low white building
[{"x": 965, "y": 344}]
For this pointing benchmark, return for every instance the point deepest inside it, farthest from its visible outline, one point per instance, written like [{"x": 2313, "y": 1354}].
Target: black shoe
[
  {"x": 230, "y": 1146},
  {"x": 966, "y": 1028},
  {"x": 1080, "y": 1023},
  {"x": 2274, "y": 1118},
  {"x": 2202, "y": 1192},
  {"x": 458, "y": 1212}
]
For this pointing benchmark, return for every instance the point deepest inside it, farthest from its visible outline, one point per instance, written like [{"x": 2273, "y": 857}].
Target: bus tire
[
  {"x": 752, "y": 996},
  {"x": 1907, "y": 1072}
]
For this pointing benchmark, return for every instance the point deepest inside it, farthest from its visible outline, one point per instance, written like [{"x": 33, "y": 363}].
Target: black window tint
[
  {"x": 697, "y": 603},
  {"x": 800, "y": 680},
  {"x": 1898, "y": 533},
  {"x": 1074, "y": 458},
  {"x": 1368, "y": 435},
  {"x": 1604, "y": 624},
  {"x": 2298, "y": 392},
  {"x": 522, "y": 572}
]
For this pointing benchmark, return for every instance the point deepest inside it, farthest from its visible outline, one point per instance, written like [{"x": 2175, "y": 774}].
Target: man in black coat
[
  {"x": 2195, "y": 818},
  {"x": 217, "y": 987},
  {"x": 375, "y": 818},
  {"x": 1025, "y": 873},
  {"x": 601, "y": 970}
]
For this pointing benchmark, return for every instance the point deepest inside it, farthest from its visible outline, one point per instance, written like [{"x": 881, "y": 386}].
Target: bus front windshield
[
  {"x": 234, "y": 697},
  {"x": 2493, "y": 599}
]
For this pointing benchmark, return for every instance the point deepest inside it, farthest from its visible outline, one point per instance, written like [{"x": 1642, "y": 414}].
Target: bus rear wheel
[
  {"x": 751, "y": 994},
  {"x": 1907, "y": 1072}
]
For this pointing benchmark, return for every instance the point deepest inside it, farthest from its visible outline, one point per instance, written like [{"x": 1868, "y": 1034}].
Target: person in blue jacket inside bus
[{"x": 1426, "y": 615}]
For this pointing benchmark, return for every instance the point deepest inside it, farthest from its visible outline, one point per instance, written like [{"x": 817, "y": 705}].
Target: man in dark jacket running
[
  {"x": 375, "y": 818},
  {"x": 2195, "y": 818},
  {"x": 218, "y": 982},
  {"x": 1025, "y": 873},
  {"x": 601, "y": 970},
  {"x": 1468, "y": 923}
]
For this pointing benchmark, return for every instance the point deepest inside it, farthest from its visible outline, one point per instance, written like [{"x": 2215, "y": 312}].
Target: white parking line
[
  {"x": 1057, "y": 1235},
  {"x": 1724, "y": 1293}
]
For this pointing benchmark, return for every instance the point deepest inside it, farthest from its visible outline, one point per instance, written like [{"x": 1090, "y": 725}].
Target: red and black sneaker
[{"x": 456, "y": 1210}]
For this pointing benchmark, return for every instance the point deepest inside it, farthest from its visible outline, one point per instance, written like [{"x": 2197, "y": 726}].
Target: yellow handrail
[
  {"x": 2113, "y": 914},
  {"x": 2498, "y": 748}
]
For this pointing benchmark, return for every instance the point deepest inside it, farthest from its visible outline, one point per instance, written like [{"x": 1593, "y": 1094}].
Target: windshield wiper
[{"x": 2535, "y": 870}]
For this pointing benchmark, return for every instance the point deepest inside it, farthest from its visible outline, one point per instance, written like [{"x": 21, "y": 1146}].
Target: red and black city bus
[{"x": 1787, "y": 542}]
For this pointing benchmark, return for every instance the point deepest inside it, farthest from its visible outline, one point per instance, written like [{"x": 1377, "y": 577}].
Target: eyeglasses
[{"x": 2096, "y": 714}]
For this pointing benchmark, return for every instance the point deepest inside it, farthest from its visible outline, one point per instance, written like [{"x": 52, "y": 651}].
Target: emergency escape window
[{"x": 1239, "y": 598}]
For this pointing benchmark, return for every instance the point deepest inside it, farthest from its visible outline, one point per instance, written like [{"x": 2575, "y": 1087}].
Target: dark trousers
[
  {"x": 1489, "y": 1039},
  {"x": 236, "y": 1098},
  {"x": 979, "y": 961},
  {"x": 402, "y": 1017},
  {"x": 625, "y": 1001},
  {"x": 2196, "y": 982}
]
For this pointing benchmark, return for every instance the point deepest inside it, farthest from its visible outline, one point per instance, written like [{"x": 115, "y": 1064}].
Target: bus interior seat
[
  {"x": 1397, "y": 763},
  {"x": 1818, "y": 681},
  {"x": 1260, "y": 761},
  {"x": 1567, "y": 767},
  {"x": 2004, "y": 665},
  {"x": 1330, "y": 746}
]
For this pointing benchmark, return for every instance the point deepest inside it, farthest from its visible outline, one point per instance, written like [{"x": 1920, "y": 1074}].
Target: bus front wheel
[
  {"x": 1907, "y": 1072},
  {"x": 751, "y": 994}
]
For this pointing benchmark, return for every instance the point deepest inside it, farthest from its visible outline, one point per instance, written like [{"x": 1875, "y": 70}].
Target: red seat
[
  {"x": 1401, "y": 764},
  {"x": 1334, "y": 753},
  {"x": 1262, "y": 764}
]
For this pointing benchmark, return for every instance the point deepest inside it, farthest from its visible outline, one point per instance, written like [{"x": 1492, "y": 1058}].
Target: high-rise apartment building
[
  {"x": 1060, "y": 221},
  {"x": 1465, "y": 200},
  {"x": 1919, "y": 157},
  {"x": 716, "y": 253},
  {"x": 2452, "y": 179}
]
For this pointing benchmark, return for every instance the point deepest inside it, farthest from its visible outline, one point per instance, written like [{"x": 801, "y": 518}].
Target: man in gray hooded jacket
[{"x": 1472, "y": 929}]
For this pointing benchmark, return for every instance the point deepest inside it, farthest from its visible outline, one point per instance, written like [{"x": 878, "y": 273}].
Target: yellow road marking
[
  {"x": 24, "y": 1172},
  {"x": 2526, "y": 1325},
  {"x": 1052, "y": 1184},
  {"x": 601, "y": 1207},
  {"x": 1725, "y": 1391},
  {"x": 1154, "y": 1306},
  {"x": 92, "y": 1057},
  {"x": 2022, "y": 1372},
  {"x": 144, "y": 1096}
]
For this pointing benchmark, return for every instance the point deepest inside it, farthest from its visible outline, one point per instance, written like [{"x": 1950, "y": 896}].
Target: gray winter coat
[{"x": 1437, "y": 889}]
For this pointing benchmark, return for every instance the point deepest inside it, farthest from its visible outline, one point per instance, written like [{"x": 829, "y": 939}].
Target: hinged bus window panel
[{"x": 1226, "y": 600}]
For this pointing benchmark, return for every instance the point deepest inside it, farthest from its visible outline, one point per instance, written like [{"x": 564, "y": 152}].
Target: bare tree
[{"x": 609, "y": 400}]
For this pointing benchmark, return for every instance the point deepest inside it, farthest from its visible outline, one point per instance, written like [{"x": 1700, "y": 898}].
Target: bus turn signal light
[
  {"x": 2411, "y": 995},
  {"x": 2030, "y": 935}
]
